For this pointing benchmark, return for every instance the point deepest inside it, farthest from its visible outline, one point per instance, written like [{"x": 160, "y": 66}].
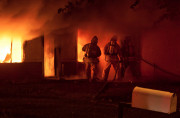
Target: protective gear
[
  {"x": 91, "y": 67},
  {"x": 112, "y": 57},
  {"x": 129, "y": 57},
  {"x": 92, "y": 52},
  {"x": 107, "y": 69},
  {"x": 94, "y": 40},
  {"x": 114, "y": 38},
  {"x": 112, "y": 52}
]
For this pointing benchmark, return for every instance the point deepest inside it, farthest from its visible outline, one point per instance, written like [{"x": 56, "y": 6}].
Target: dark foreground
[{"x": 72, "y": 99}]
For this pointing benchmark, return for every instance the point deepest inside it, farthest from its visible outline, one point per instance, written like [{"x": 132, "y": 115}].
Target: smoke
[
  {"x": 152, "y": 23},
  {"x": 31, "y": 18},
  {"x": 106, "y": 18},
  {"x": 116, "y": 15},
  {"x": 25, "y": 18},
  {"x": 34, "y": 17},
  {"x": 147, "y": 18}
]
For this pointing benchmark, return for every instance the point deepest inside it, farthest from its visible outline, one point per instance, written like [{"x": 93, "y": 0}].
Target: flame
[
  {"x": 81, "y": 41},
  {"x": 49, "y": 69},
  {"x": 80, "y": 53},
  {"x": 5, "y": 48},
  {"x": 10, "y": 50},
  {"x": 17, "y": 51}
]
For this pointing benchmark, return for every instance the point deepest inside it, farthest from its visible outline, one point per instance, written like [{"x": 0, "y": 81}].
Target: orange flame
[
  {"x": 81, "y": 41},
  {"x": 5, "y": 48},
  {"x": 10, "y": 50},
  {"x": 17, "y": 51}
]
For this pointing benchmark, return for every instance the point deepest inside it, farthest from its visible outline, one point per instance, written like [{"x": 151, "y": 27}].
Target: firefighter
[
  {"x": 92, "y": 52},
  {"x": 130, "y": 62},
  {"x": 125, "y": 55},
  {"x": 112, "y": 52}
]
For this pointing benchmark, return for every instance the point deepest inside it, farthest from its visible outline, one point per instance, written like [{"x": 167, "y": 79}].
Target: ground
[{"x": 69, "y": 98}]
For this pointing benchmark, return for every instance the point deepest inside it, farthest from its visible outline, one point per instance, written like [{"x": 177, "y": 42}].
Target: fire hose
[
  {"x": 106, "y": 83},
  {"x": 139, "y": 59},
  {"x": 159, "y": 68}
]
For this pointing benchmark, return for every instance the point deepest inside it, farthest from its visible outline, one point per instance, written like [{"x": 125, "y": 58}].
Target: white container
[{"x": 155, "y": 100}]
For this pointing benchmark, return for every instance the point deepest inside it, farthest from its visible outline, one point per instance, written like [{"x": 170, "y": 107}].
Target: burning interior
[{"x": 11, "y": 50}]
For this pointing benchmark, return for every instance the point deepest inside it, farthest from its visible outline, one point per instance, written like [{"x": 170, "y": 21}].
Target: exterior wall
[
  {"x": 65, "y": 46},
  {"x": 34, "y": 51},
  {"x": 21, "y": 72},
  {"x": 161, "y": 47}
]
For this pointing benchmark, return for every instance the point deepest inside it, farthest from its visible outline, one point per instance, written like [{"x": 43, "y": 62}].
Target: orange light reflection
[{"x": 81, "y": 41}]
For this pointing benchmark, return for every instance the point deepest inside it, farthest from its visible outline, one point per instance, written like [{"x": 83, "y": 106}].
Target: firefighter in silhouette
[
  {"x": 112, "y": 52},
  {"x": 125, "y": 55},
  {"x": 92, "y": 52},
  {"x": 129, "y": 58}
]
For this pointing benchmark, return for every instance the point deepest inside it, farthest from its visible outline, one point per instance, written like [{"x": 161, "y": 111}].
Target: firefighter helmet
[
  {"x": 114, "y": 38},
  {"x": 94, "y": 40}
]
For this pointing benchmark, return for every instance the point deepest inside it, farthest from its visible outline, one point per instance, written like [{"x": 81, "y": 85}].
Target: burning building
[
  {"x": 22, "y": 39},
  {"x": 35, "y": 32},
  {"x": 152, "y": 26}
]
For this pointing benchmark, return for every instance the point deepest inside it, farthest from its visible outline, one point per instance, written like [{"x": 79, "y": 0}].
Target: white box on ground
[{"x": 155, "y": 100}]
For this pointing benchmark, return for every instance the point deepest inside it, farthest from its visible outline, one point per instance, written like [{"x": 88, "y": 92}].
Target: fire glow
[
  {"x": 10, "y": 50},
  {"x": 81, "y": 41}
]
